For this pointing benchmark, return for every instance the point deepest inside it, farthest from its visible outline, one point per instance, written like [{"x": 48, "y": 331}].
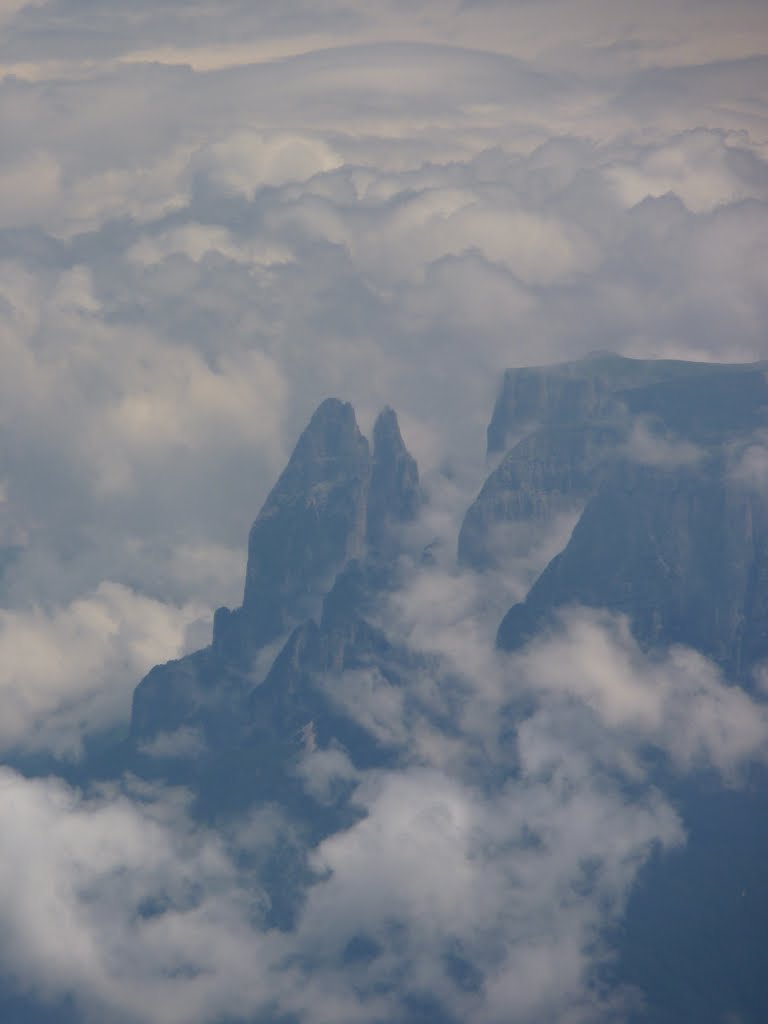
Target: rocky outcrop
[
  {"x": 337, "y": 504},
  {"x": 669, "y": 535},
  {"x": 683, "y": 552},
  {"x": 549, "y": 472},
  {"x": 312, "y": 522}
]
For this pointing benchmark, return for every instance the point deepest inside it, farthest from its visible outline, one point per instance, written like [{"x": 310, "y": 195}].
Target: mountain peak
[
  {"x": 331, "y": 436},
  {"x": 386, "y": 429},
  {"x": 332, "y": 413},
  {"x": 333, "y": 499},
  {"x": 394, "y": 495},
  {"x": 312, "y": 521}
]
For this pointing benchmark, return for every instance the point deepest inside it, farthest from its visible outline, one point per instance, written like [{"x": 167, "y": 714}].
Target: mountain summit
[{"x": 336, "y": 504}]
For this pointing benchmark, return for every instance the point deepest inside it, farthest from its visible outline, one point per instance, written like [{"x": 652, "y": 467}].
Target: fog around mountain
[{"x": 213, "y": 219}]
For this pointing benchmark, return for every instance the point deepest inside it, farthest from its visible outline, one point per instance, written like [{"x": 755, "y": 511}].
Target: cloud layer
[{"x": 212, "y": 216}]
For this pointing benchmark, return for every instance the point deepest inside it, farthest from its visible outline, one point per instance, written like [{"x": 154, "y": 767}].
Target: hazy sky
[{"x": 214, "y": 215}]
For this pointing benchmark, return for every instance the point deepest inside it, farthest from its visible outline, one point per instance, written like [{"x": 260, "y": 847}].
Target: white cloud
[
  {"x": 651, "y": 449},
  {"x": 699, "y": 166},
  {"x": 125, "y": 906},
  {"x": 677, "y": 701},
  {"x": 750, "y": 466},
  {"x": 434, "y": 867},
  {"x": 184, "y": 742},
  {"x": 195, "y": 241},
  {"x": 323, "y": 771},
  {"x": 371, "y": 700},
  {"x": 27, "y": 189},
  {"x": 70, "y": 671},
  {"x": 193, "y": 257},
  {"x": 247, "y": 161}
]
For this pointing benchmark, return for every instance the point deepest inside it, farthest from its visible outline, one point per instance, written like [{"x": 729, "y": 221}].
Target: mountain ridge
[{"x": 671, "y": 532}]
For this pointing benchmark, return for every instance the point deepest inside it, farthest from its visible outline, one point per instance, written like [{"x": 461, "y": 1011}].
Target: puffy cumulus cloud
[
  {"x": 179, "y": 401},
  {"x": 374, "y": 702},
  {"x": 97, "y": 409},
  {"x": 703, "y": 168},
  {"x": 247, "y": 161},
  {"x": 145, "y": 193},
  {"x": 196, "y": 241},
  {"x": 466, "y": 294},
  {"x": 495, "y": 898},
  {"x": 487, "y": 899},
  {"x": 483, "y": 873},
  {"x": 70, "y": 671},
  {"x": 135, "y": 914},
  {"x": 586, "y": 676},
  {"x": 493, "y": 905},
  {"x": 422, "y": 228},
  {"x": 125, "y": 906},
  {"x": 39, "y": 189},
  {"x": 677, "y": 701}
]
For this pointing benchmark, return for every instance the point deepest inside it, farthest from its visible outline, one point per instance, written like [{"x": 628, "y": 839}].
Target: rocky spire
[
  {"x": 333, "y": 500},
  {"x": 394, "y": 495},
  {"x": 312, "y": 522}
]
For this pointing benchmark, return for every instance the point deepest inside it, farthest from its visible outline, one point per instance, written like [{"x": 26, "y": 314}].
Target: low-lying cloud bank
[{"x": 482, "y": 877}]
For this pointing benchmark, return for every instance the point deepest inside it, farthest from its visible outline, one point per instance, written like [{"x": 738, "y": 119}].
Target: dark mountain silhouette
[{"x": 654, "y": 462}]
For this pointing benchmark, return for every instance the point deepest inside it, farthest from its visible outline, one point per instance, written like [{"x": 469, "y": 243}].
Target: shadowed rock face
[
  {"x": 336, "y": 504},
  {"x": 683, "y": 552},
  {"x": 549, "y": 472},
  {"x": 394, "y": 495},
  {"x": 597, "y": 386},
  {"x": 312, "y": 522},
  {"x": 569, "y": 424},
  {"x": 645, "y": 453}
]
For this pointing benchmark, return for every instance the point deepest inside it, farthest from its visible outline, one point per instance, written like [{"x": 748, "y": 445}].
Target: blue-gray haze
[{"x": 215, "y": 216}]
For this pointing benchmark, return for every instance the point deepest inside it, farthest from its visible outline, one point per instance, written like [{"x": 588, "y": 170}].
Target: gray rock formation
[
  {"x": 670, "y": 533},
  {"x": 654, "y": 462},
  {"x": 593, "y": 388},
  {"x": 683, "y": 552},
  {"x": 394, "y": 495},
  {"x": 562, "y": 427},
  {"x": 336, "y": 504},
  {"x": 312, "y": 522},
  {"x": 549, "y": 472}
]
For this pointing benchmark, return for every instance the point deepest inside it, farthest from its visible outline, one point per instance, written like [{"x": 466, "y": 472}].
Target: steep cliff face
[
  {"x": 592, "y": 388},
  {"x": 683, "y": 552},
  {"x": 645, "y": 453},
  {"x": 549, "y": 472}
]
